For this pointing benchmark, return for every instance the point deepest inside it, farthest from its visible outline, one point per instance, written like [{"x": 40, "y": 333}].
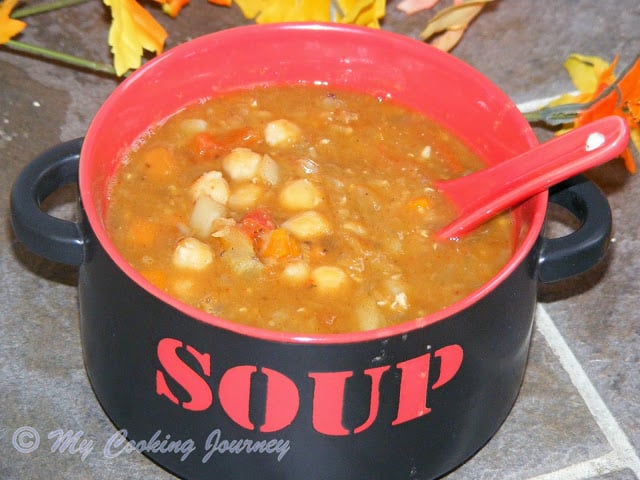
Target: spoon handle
[{"x": 483, "y": 194}]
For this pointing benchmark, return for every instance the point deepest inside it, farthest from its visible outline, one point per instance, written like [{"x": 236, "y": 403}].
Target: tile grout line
[
  {"x": 623, "y": 455},
  {"x": 607, "y": 463}
]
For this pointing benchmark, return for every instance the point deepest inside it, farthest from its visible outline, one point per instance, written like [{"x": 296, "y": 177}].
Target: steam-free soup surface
[{"x": 301, "y": 209}]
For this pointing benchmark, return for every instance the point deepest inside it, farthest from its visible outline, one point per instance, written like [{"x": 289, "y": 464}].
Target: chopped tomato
[{"x": 257, "y": 222}]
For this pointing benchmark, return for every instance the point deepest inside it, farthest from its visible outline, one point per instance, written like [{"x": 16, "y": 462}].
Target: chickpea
[
  {"x": 300, "y": 194},
  {"x": 192, "y": 254},
  {"x": 281, "y": 132},
  {"x": 241, "y": 164},
  {"x": 296, "y": 273},
  {"x": 328, "y": 279},
  {"x": 308, "y": 225},
  {"x": 213, "y": 185},
  {"x": 194, "y": 125},
  {"x": 245, "y": 196}
]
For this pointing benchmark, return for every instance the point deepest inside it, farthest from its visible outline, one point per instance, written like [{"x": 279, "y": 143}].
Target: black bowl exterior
[
  {"x": 205, "y": 400},
  {"x": 206, "y": 403}
]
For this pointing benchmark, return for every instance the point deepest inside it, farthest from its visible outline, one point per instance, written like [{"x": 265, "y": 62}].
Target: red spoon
[{"x": 483, "y": 194}]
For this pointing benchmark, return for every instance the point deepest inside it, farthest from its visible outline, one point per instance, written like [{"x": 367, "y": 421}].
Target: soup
[{"x": 303, "y": 209}]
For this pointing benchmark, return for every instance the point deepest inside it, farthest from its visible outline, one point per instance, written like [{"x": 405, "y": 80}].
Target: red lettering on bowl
[{"x": 282, "y": 398}]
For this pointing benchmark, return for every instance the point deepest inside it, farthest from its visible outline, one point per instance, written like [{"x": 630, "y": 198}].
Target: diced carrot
[
  {"x": 156, "y": 277},
  {"x": 241, "y": 137},
  {"x": 159, "y": 162},
  {"x": 279, "y": 244},
  {"x": 204, "y": 144},
  {"x": 142, "y": 233}
]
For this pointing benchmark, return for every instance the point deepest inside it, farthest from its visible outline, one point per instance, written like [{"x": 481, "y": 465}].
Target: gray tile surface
[{"x": 578, "y": 415}]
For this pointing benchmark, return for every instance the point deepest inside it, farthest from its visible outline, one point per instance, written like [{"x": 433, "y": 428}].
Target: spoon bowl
[{"x": 484, "y": 194}]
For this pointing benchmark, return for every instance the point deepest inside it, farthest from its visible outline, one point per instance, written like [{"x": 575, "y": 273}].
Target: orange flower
[
  {"x": 133, "y": 30},
  {"x": 172, "y": 7},
  {"x": 615, "y": 96},
  {"x": 9, "y": 27}
]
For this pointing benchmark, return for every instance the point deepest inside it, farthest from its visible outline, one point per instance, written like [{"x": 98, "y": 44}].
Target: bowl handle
[
  {"x": 50, "y": 237},
  {"x": 577, "y": 252}
]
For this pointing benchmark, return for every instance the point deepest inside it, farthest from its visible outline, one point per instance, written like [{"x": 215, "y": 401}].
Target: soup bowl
[{"x": 206, "y": 398}]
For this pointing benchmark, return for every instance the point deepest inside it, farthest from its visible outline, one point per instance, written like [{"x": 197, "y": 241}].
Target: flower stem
[
  {"x": 555, "y": 116},
  {"x": 61, "y": 57},
  {"x": 45, "y": 7}
]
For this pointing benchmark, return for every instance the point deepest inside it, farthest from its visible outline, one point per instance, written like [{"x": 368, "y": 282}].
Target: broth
[{"x": 301, "y": 208}]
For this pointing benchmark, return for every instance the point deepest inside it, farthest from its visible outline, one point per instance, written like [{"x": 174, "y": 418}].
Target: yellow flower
[
  {"x": 362, "y": 12},
  {"x": 133, "y": 30},
  {"x": 589, "y": 74},
  {"x": 9, "y": 27},
  {"x": 269, "y": 11}
]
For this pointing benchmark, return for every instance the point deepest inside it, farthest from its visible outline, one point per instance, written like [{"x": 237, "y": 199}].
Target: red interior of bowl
[{"x": 370, "y": 61}]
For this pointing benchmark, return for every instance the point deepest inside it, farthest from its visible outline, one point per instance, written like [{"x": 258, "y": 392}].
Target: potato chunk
[
  {"x": 206, "y": 211},
  {"x": 268, "y": 170},
  {"x": 193, "y": 254},
  {"x": 281, "y": 132},
  {"x": 241, "y": 164},
  {"x": 308, "y": 225},
  {"x": 368, "y": 314},
  {"x": 238, "y": 253},
  {"x": 300, "y": 194}
]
